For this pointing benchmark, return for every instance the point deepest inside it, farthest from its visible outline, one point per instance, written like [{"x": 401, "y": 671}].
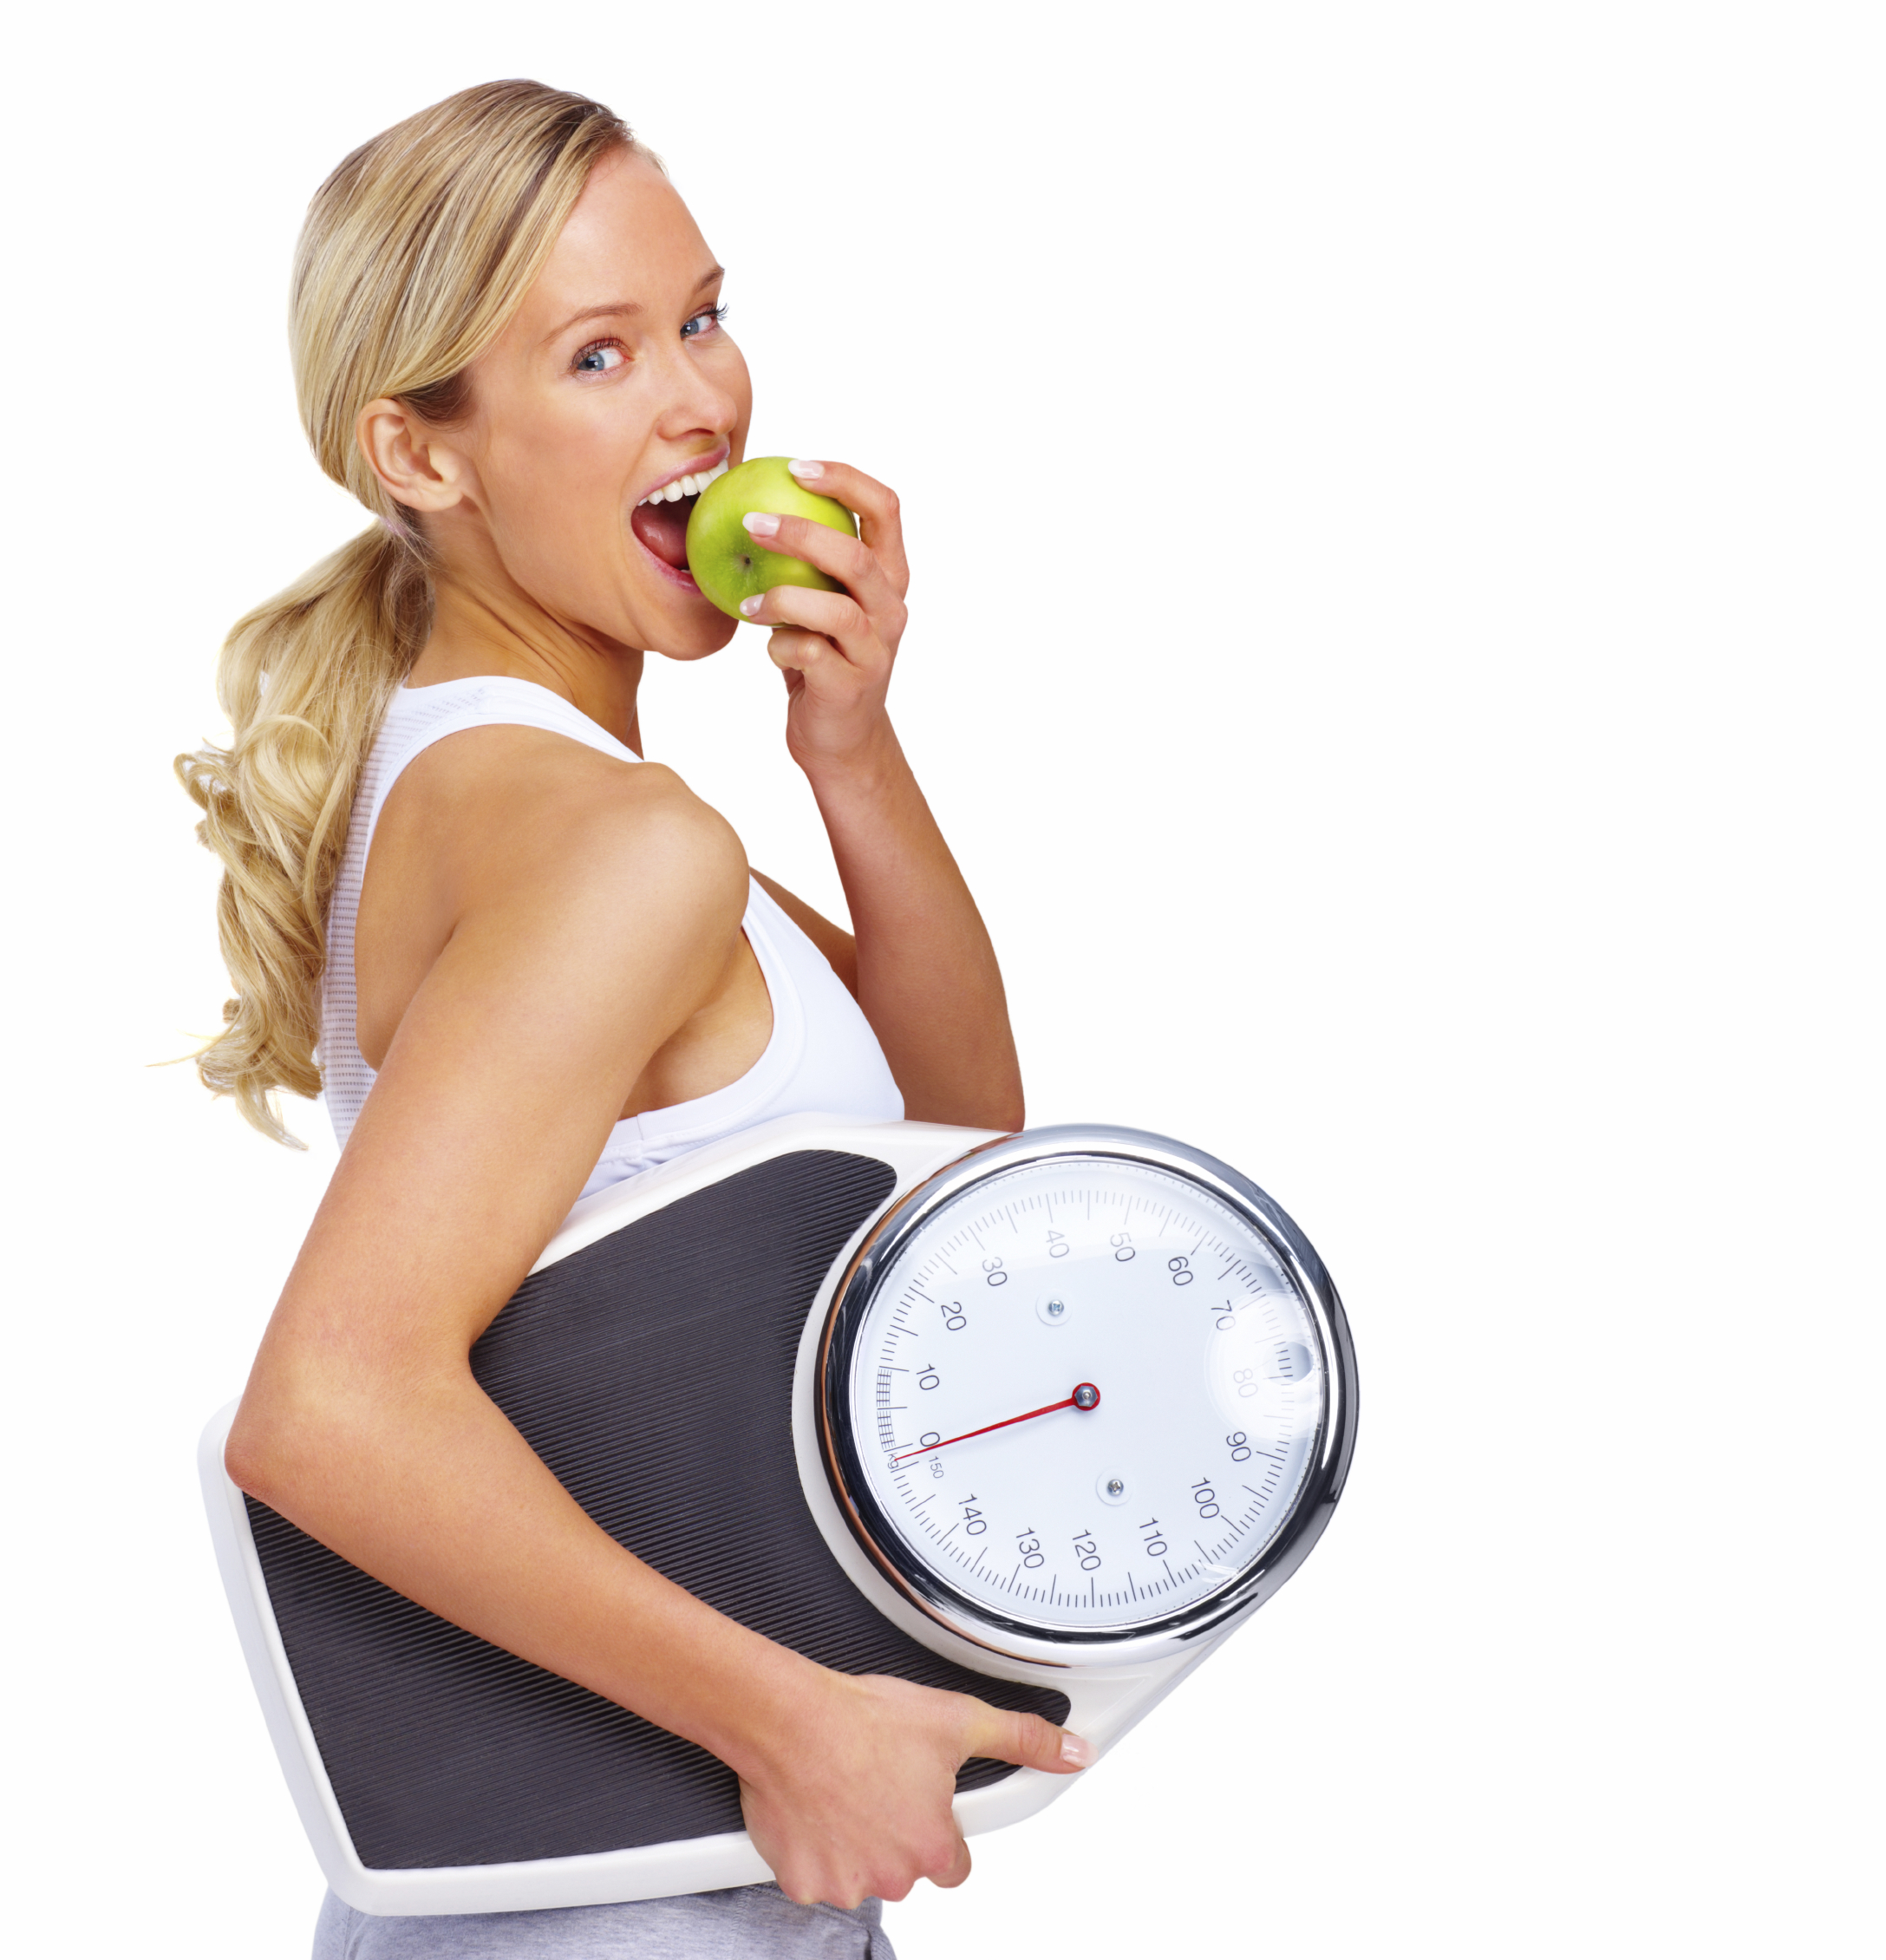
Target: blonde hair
[{"x": 415, "y": 256}]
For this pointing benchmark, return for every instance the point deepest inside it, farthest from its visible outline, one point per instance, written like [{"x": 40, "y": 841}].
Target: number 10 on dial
[{"x": 1086, "y": 1395}]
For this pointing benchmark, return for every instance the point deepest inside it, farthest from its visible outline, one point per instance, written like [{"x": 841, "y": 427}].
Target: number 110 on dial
[{"x": 1082, "y": 1397}]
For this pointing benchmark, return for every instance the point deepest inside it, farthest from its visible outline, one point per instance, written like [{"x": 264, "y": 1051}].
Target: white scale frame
[{"x": 1106, "y": 1698}]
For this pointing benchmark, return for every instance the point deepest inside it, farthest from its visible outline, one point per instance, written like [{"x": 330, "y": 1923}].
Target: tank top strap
[
  {"x": 417, "y": 717},
  {"x": 821, "y": 1054}
]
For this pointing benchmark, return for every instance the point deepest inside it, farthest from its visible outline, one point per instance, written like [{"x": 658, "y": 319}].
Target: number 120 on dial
[{"x": 1081, "y": 1397}]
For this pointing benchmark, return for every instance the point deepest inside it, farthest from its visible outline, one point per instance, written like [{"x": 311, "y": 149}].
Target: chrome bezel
[{"x": 930, "y": 1592}]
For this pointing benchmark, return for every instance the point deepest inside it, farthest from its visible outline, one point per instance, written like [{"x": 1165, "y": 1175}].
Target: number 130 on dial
[{"x": 1084, "y": 1393}]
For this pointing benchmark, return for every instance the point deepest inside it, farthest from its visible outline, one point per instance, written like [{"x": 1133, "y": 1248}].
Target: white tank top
[{"x": 822, "y": 1059}]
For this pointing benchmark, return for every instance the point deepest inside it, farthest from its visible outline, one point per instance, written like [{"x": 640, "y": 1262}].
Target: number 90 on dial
[{"x": 1087, "y": 1394}]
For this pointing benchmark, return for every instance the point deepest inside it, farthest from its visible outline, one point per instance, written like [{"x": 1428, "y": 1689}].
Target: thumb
[{"x": 1028, "y": 1740}]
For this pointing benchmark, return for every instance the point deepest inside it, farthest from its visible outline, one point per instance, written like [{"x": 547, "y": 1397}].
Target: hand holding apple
[
  {"x": 835, "y": 633},
  {"x": 728, "y": 561}
]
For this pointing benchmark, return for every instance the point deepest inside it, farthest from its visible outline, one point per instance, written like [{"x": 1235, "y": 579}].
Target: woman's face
[{"x": 615, "y": 380}]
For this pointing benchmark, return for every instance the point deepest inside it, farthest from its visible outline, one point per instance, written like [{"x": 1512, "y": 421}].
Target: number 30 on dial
[{"x": 1087, "y": 1393}]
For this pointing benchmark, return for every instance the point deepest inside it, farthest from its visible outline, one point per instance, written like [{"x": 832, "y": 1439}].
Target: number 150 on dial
[{"x": 1084, "y": 1395}]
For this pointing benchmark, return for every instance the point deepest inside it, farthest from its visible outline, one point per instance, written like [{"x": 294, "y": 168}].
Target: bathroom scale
[{"x": 1041, "y": 1417}]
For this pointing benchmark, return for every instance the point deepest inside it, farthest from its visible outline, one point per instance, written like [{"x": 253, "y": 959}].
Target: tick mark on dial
[{"x": 1085, "y": 1396}]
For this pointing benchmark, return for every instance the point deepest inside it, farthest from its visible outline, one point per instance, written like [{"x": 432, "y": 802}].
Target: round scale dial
[{"x": 1081, "y": 1397}]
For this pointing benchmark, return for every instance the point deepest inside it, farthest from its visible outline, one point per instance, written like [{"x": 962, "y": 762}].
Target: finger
[
  {"x": 956, "y": 1870},
  {"x": 839, "y": 556},
  {"x": 807, "y": 1883},
  {"x": 836, "y": 615},
  {"x": 1027, "y": 1739},
  {"x": 795, "y": 652},
  {"x": 876, "y": 504}
]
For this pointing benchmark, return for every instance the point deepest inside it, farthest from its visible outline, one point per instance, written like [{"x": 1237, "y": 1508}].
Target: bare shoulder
[
  {"x": 503, "y": 812},
  {"x": 549, "y": 866}
]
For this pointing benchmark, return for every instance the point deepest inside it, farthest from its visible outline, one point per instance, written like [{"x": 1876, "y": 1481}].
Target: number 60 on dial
[{"x": 1086, "y": 1395}]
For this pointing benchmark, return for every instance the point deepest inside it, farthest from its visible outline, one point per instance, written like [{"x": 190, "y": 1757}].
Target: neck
[{"x": 482, "y": 627}]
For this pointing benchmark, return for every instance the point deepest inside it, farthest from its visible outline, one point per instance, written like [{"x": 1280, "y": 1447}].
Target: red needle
[{"x": 1085, "y": 1396}]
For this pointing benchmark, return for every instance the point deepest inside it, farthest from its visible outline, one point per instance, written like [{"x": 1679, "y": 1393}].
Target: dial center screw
[{"x": 1087, "y": 1397}]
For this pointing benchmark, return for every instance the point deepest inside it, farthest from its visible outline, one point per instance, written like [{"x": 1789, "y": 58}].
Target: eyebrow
[{"x": 618, "y": 307}]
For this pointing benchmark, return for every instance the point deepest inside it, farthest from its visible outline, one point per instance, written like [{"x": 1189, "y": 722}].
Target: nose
[{"x": 695, "y": 401}]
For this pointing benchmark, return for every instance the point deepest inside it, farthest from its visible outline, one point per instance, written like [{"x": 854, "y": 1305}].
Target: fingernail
[
  {"x": 1076, "y": 1750},
  {"x": 761, "y": 524},
  {"x": 807, "y": 469},
  {"x": 750, "y": 605}
]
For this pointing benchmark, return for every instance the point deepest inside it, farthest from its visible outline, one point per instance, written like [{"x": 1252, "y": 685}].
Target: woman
[{"x": 548, "y": 961}]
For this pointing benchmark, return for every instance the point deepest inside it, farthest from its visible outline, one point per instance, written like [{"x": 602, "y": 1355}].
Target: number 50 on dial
[{"x": 1087, "y": 1394}]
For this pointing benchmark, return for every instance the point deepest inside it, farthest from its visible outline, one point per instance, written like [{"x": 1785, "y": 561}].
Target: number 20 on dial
[{"x": 1088, "y": 1393}]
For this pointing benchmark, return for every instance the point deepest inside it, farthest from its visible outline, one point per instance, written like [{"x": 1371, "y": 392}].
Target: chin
[{"x": 696, "y": 638}]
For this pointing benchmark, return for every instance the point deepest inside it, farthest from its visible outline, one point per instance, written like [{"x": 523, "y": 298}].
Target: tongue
[{"x": 663, "y": 529}]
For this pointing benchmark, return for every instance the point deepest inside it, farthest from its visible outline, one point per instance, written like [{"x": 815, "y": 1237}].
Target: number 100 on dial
[{"x": 1087, "y": 1395}]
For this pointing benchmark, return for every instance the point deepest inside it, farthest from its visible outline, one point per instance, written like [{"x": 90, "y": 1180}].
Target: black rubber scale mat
[{"x": 652, "y": 1371}]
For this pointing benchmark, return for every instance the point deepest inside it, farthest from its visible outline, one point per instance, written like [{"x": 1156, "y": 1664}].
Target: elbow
[
  {"x": 1008, "y": 1107},
  {"x": 989, "y": 1111},
  {"x": 289, "y": 1438},
  {"x": 987, "y": 1105},
  {"x": 259, "y": 1455},
  {"x": 307, "y": 1426}
]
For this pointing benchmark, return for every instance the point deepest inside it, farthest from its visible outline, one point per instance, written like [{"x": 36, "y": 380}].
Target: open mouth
[{"x": 659, "y": 520}]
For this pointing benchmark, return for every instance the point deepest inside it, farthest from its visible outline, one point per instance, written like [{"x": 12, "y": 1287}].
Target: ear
[{"x": 417, "y": 467}]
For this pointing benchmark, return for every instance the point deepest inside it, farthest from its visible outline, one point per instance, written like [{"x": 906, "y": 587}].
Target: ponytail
[
  {"x": 415, "y": 254},
  {"x": 304, "y": 680}
]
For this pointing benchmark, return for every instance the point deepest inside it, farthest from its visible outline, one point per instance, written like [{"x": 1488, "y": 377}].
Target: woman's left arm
[{"x": 927, "y": 978}]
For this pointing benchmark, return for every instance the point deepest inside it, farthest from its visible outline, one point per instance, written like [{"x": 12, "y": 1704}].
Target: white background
[{"x": 1395, "y": 493}]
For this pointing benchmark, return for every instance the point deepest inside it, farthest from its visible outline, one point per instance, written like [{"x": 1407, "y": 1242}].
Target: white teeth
[{"x": 685, "y": 487}]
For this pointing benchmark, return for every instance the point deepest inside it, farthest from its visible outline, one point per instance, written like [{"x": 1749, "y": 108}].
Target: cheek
[{"x": 555, "y": 489}]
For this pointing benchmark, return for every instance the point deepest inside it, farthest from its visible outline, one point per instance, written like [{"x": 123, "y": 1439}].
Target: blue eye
[
  {"x": 704, "y": 322},
  {"x": 602, "y": 358}
]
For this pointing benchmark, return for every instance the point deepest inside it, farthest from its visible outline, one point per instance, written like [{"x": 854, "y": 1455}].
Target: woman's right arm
[{"x": 592, "y": 904}]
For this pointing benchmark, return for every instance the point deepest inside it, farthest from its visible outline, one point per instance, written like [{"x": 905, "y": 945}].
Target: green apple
[{"x": 727, "y": 563}]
